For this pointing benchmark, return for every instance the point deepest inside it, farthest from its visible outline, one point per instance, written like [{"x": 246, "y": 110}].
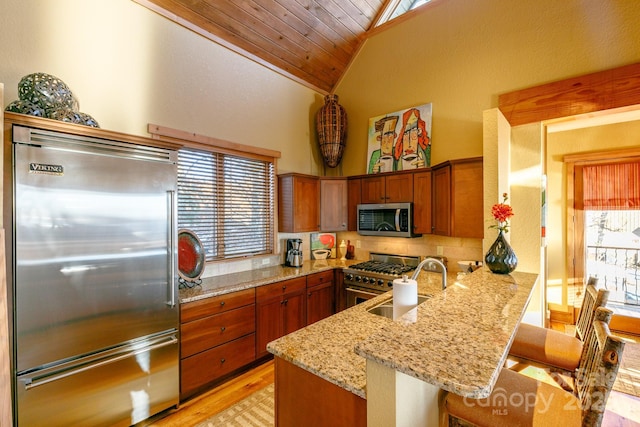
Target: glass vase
[{"x": 500, "y": 258}]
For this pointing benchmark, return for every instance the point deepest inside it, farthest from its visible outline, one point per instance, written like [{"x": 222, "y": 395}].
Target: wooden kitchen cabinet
[
  {"x": 372, "y": 189},
  {"x": 333, "y": 204},
  {"x": 353, "y": 200},
  {"x": 280, "y": 310},
  {"x": 217, "y": 337},
  {"x": 320, "y": 296},
  {"x": 305, "y": 399},
  {"x": 298, "y": 203},
  {"x": 422, "y": 202},
  {"x": 387, "y": 188},
  {"x": 457, "y": 199}
]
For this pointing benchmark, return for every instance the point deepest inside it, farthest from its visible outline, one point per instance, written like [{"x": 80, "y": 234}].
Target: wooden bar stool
[
  {"x": 518, "y": 400},
  {"x": 554, "y": 350}
]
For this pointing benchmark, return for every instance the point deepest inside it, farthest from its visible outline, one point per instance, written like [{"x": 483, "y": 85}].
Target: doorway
[
  {"x": 605, "y": 214},
  {"x": 593, "y": 241}
]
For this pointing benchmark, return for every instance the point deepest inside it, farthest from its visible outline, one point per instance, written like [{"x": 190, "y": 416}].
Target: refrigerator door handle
[
  {"x": 173, "y": 245},
  {"x": 63, "y": 372}
]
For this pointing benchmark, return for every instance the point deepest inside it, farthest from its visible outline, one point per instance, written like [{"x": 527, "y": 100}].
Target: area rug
[
  {"x": 255, "y": 410},
  {"x": 628, "y": 378}
]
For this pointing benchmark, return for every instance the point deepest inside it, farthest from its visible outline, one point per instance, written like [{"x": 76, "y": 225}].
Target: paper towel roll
[{"x": 405, "y": 296}]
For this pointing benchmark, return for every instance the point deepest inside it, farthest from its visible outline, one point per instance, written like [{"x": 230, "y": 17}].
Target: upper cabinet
[
  {"x": 387, "y": 188},
  {"x": 354, "y": 198},
  {"x": 422, "y": 202},
  {"x": 447, "y": 199},
  {"x": 298, "y": 203},
  {"x": 457, "y": 198},
  {"x": 333, "y": 204}
]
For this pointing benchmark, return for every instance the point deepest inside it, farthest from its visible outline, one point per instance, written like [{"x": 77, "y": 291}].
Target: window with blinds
[
  {"x": 228, "y": 201},
  {"x": 606, "y": 225}
]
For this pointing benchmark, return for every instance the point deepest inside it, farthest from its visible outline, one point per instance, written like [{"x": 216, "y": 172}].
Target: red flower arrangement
[{"x": 502, "y": 212}]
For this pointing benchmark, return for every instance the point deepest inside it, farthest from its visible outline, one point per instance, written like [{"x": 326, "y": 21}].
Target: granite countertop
[
  {"x": 456, "y": 340},
  {"x": 219, "y": 285}
]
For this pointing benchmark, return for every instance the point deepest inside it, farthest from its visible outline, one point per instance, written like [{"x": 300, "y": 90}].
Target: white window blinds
[{"x": 228, "y": 201}]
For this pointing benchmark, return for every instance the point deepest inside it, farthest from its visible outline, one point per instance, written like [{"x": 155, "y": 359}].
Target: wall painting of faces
[{"x": 400, "y": 140}]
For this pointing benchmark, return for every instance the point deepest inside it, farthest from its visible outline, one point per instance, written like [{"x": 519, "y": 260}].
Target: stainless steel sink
[{"x": 385, "y": 308}]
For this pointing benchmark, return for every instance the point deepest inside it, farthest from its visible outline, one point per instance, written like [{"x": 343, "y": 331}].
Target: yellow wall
[
  {"x": 129, "y": 66},
  {"x": 462, "y": 54}
]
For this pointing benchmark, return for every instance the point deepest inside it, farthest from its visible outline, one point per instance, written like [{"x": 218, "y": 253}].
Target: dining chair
[
  {"x": 554, "y": 350},
  {"x": 519, "y": 400}
]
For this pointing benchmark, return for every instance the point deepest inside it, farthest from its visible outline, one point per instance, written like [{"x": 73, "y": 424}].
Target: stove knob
[
  {"x": 358, "y": 278},
  {"x": 390, "y": 283},
  {"x": 349, "y": 276},
  {"x": 381, "y": 282},
  {"x": 365, "y": 280}
]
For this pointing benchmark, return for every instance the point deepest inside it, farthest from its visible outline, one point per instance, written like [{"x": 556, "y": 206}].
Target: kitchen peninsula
[{"x": 457, "y": 341}]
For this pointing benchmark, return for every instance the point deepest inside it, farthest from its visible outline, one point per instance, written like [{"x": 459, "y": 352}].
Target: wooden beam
[
  {"x": 604, "y": 90},
  {"x": 194, "y": 140}
]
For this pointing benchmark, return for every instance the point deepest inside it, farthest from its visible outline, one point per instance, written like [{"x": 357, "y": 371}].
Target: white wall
[{"x": 513, "y": 165}]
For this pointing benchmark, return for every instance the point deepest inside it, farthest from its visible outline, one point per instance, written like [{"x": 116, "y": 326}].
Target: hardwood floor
[
  {"x": 219, "y": 398},
  {"x": 622, "y": 410}
]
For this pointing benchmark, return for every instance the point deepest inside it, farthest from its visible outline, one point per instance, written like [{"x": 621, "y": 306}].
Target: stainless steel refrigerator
[{"x": 94, "y": 280}]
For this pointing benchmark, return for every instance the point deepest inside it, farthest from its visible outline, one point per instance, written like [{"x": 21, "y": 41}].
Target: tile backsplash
[{"x": 453, "y": 248}]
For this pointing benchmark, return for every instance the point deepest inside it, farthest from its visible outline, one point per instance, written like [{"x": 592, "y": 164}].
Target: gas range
[{"x": 380, "y": 271}]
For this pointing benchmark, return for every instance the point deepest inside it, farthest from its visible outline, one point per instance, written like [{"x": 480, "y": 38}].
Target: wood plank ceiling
[{"x": 310, "y": 41}]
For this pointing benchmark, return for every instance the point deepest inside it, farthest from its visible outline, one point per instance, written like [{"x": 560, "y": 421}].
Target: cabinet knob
[
  {"x": 223, "y": 360},
  {"x": 284, "y": 287},
  {"x": 222, "y": 329},
  {"x": 309, "y": 294},
  {"x": 286, "y": 301},
  {"x": 221, "y": 303}
]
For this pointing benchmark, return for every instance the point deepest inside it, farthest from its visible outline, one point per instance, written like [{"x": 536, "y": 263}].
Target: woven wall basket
[{"x": 331, "y": 125}]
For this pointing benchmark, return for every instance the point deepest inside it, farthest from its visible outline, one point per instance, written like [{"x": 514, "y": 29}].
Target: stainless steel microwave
[{"x": 386, "y": 219}]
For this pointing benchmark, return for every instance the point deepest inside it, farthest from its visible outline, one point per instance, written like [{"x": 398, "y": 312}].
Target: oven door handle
[{"x": 361, "y": 292}]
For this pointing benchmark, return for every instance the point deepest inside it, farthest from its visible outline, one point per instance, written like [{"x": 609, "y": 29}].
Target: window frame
[{"x": 192, "y": 141}]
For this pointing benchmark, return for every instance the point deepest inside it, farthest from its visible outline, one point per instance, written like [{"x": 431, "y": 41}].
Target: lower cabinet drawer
[
  {"x": 283, "y": 287},
  {"x": 212, "y": 331},
  {"x": 203, "y": 368}
]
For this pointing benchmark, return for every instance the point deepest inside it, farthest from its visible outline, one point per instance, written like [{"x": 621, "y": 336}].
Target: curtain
[{"x": 612, "y": 186}]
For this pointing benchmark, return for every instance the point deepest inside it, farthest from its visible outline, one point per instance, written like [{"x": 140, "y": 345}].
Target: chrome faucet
[{"x": 436, "y": 261}]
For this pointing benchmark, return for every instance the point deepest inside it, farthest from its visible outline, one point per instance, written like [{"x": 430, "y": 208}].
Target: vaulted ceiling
[{"x": 310, "y": 41}]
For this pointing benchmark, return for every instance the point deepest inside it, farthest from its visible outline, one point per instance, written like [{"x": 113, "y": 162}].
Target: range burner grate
[{"x": 383, "y": 267}]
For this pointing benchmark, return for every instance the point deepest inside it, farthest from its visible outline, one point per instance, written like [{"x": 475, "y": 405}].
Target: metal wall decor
[
  {"x": 191, "y": 258},
  {"x": 44, "y": 95},
  {"x": 331, "y": 126}
]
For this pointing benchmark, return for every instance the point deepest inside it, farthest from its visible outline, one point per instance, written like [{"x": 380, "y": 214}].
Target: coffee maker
[{"x": 293, "y": 256}]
